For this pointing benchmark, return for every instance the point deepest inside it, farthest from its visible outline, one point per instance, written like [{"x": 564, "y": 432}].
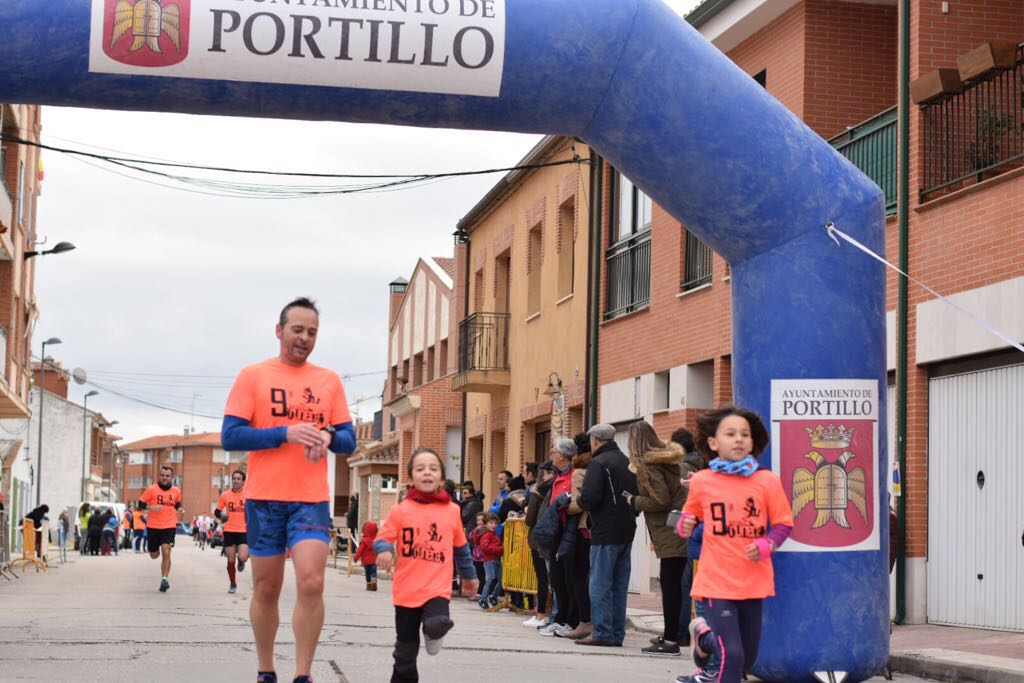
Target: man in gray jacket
[{"x": 613, "y": 528}]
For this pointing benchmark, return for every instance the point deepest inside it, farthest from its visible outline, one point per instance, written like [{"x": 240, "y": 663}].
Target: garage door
[{"x": 975, "y": 501}]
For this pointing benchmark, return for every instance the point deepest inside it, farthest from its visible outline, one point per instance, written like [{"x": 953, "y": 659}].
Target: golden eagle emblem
[
  {"x": 147, "y": 19},
  {"x": 831, "y": 488}
]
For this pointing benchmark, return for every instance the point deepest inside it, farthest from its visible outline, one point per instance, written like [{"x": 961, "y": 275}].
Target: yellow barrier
[
  {"x": 28, "y": 555},
  {"x": 517, "y": 574}
]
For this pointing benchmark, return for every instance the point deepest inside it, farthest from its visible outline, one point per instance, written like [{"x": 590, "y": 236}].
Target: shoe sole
[{"x": 661, "y": 654}]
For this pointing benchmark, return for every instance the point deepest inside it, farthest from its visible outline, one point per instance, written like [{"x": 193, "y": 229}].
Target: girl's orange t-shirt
[
  {"x": 736, "y": 511},
  {"x": 425, "y": 536}
]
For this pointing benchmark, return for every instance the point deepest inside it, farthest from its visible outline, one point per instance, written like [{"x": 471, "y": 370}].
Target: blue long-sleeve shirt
[{"x": 237, "y": 435}]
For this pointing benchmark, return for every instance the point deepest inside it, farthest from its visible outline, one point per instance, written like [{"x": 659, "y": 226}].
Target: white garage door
[{"x": 975, "y": 501}]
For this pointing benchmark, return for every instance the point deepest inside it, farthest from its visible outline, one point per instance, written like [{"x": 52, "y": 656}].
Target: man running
[
  {"x": 231, "y": 512},
  {"x": 162, "y": 503},
  {"x": 288, "y": 413}
]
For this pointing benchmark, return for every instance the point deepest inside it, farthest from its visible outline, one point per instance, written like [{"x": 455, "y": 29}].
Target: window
[
  {"x": 633, "y": 209},
  {"x": 388, "y": 483},
  {"x": 21, "y": 192},
  {"x": 175, "y": 455},
  {"x": 444, "y": 358},
  {"x": 217, "y": 481},
  {"x": 431, "y": 360},
  {"x": 661, "y": 391},
  {"x": 478, "y": 290},
  {"x": 502, "y": 282},
  {"x": 417, "y": 370},
  {"x": 567, "y": 247},
  {"x": 533, "y": 268},
  {"x": 177, "y": 480},
  {"x": 140, "y": 458},
  {"x": 138, "y": 482},
  {"x": 696, "y": 263},
  {"x": 629, "y": 257}
]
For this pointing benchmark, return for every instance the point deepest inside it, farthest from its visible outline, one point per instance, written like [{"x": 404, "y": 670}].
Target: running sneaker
[
  {"x": 267, "y": 677},
  {"x": 699, "y": 676},
  {"x": 241, "y": 566},
  {"x": 698, "y": 627},
  {"x": 662, "y": 647},
  {"x": 433, "y": 646},
  {"x": 551, "y": 629},
  {"x": 534, "y": 622},
  {"x": 232, "y": 588},
  {"x": 164, "y": 585}
]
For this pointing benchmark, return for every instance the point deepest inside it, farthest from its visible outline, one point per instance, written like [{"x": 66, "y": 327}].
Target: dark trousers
[
  {"x": 565, "y": 598},
  {"x": 579, "y": 578},
  {"x": 671, "y": 575},
  {"x": 737, "y": 626},
  {"x": 436, "y": 621},
  {"x": 540, "y": 568},
  {"x": 686, "y": 608},
  {"x": 481, "y": 574}
]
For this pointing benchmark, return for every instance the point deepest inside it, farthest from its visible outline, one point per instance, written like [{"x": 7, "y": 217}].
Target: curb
[{"x": 945, "y": 665}]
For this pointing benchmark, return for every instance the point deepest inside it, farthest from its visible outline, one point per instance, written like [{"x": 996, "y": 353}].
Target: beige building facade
[{"x": 523, "y": 335}]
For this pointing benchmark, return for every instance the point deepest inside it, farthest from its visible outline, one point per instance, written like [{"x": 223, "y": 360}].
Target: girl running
[
  {"x": 428, "y": 525},
  {"x": 737, "y": 500}
]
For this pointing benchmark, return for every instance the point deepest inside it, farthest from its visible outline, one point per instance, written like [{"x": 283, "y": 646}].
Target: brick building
[
  {"x": 373, "y": 471},
  {"x": 664, "y": 329},
  {"x": 419, "y": 407},
  {"x": 523, "y": 337},
  {"x": 202, "y": 469}
]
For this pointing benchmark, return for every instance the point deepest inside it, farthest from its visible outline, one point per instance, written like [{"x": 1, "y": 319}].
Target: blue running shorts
[{"x": 273, "y": 525}]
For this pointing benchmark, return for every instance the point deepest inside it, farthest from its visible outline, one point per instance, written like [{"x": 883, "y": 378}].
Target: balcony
[
  {"x": 6, "y": 203},
  {"x": 629, "y": 275},
  {"x": 871, "y": 147},
  {"x": 483, "y": 354},
  {"x": 975, "y": 134},
  {"x": 12, "y": 404}
]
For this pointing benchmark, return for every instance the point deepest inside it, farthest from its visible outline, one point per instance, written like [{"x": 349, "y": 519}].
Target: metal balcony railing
[
  {"x": 975, "y": 133},
  {"x": 629, "y": 275},
  {"x": 483, "y": 342},
  {"x": 871, "y": 147},
  {"x": 696, "y": 264}
]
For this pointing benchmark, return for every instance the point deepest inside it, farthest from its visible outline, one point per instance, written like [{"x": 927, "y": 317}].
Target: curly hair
[{"x": 707, "y": 426}]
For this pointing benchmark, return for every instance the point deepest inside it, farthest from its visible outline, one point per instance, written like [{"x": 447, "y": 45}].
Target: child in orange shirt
[
  {"x": 736, "y": 499},
  {"x": 364, "y": 554},
  {"x": 427, "y": 525}
]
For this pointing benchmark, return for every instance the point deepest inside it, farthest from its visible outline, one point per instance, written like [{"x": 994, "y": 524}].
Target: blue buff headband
[{"x": 745, "y": 467}]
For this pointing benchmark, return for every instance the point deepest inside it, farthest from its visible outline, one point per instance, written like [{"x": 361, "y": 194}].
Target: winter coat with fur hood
[
  {"x": 658, "y": 473},
  {"x": 579, "y": 471}
]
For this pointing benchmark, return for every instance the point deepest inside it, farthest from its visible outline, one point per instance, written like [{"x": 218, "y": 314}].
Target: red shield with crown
[
  {"x": 827, "y": 471},
  {"x": 150, "y": 33}
]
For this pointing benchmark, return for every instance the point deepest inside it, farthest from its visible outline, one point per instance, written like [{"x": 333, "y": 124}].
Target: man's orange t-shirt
[
  {"x": 273, "y": 394},
  {"x": 234, "y": 503},
  {"x": 735, "y": 510},
  {"x": 425, "y": 536},
  {"x": 166, "y": 517}
]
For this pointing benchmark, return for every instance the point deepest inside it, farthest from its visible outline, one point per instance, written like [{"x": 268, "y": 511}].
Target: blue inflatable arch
[{"x": 640, "y": 86}]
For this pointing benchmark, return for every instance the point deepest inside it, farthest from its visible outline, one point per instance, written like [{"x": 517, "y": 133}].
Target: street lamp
[
  {"x": 58, "y": 248},
  {"x": 85, "y": 433},
  {"x": 42, "y": 391}
]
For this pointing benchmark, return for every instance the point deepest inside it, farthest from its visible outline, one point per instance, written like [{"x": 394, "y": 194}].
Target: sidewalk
[{"x": 944, "y": 653}]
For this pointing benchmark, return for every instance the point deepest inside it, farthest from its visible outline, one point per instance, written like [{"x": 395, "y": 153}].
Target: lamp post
[
  {"x": 42, "y": 393},
  {"x": 85, "y": 435}
]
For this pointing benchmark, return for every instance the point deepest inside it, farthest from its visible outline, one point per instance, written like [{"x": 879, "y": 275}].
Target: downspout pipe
[
  {"x": 594, "y": 282},
  {"x": 903, "y": 218},
  {"x": 465, "y": 395}
]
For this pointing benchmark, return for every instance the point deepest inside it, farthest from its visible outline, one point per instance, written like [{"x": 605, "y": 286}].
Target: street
[{"x": 102, "y": 619}]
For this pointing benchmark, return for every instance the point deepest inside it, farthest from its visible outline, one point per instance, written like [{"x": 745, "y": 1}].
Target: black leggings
[
  {"x": 540, "y": 568},
  {"x": 671, "y": 576},
  {"x": 561, "y": 571},
  {"x": 580, "y": 577},
  {"x": 736, "y": 625},
  {"x": 435, "y": 618}
]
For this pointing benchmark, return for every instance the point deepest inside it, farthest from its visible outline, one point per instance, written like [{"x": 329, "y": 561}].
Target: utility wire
[{"x": 251, "y": 190}]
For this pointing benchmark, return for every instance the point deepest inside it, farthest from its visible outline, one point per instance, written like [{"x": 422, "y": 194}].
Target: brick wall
[{"x": 440, "y": 408}]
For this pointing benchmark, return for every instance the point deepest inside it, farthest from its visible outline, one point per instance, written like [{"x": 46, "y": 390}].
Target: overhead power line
[{"x": 367, "y": 182}]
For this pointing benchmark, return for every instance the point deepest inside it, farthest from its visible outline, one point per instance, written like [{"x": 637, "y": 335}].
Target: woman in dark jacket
[
  {"x": 96, "y": 524},
  {"x": 579, "y": 579},
  {"x": 658, "y": 467},
  {"x": 538, "y": 503}
]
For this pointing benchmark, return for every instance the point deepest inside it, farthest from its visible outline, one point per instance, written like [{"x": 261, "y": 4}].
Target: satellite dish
[{"x": 78, "y": 374}]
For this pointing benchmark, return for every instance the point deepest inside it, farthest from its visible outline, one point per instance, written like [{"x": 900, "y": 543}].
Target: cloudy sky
[{"x": 169, "y": 292}]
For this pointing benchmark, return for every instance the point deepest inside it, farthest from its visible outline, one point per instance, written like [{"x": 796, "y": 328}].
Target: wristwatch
[{"x": 329, "y": 428}]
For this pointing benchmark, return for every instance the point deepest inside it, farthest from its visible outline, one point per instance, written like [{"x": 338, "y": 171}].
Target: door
[{"x": 975, "y": 506}]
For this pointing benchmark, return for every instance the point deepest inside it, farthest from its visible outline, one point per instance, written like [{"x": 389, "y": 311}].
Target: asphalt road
[{"x": 102, "y": 619}]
